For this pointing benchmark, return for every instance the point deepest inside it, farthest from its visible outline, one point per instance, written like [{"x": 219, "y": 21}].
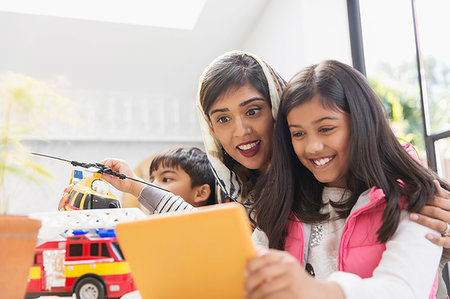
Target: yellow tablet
[{"x": 200, "y": 254}]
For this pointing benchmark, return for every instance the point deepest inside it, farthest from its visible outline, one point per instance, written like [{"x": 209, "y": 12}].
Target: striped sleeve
[{"x": 159, "y": 201}]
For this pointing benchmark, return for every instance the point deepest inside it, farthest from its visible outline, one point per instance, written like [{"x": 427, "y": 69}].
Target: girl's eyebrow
[
  {"x": 244, "y": 103},
  {"x": 325, "y": 118},
  {"x": 316, "y": 121}
]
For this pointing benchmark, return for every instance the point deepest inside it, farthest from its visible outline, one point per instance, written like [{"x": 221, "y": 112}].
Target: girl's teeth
[{"x": 321, "y": 162}]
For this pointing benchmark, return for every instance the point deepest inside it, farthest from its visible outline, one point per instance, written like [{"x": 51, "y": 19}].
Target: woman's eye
[
  {"x": 325, "y": 130},
  {"x": 223, "y": 119},
  {"x": 253, "y": 111}
]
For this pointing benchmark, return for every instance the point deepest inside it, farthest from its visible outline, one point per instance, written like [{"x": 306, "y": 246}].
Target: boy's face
[{"x": 177, "y": 181}]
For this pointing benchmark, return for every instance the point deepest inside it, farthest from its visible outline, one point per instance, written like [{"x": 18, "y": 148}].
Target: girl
[{"x": 341, "y": 189}]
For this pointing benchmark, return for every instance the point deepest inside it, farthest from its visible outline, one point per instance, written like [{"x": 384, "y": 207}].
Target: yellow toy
[{"x": 90, "y": 193}]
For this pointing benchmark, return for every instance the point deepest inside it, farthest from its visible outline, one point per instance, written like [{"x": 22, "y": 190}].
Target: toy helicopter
[{"x": 92, "y": 192}]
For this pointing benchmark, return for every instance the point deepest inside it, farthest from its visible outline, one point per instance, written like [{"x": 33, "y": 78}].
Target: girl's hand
[
  {"x": 125, "y": 185},
  {"x": 277, "y": 274},
  {"x": 436, "y": 215}
]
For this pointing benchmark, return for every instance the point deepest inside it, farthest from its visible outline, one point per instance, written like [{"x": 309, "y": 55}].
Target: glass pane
[
  {"x": 433, "y": 27},
  {"x": 443, "y": 158},
  {"x": 390, "y": 55}
]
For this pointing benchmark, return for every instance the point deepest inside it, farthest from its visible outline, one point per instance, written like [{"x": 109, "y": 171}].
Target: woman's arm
[{"x": 436, "y": 215}]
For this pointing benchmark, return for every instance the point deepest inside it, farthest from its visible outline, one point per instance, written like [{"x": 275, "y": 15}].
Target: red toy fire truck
[{"x": 88, "y": 262}]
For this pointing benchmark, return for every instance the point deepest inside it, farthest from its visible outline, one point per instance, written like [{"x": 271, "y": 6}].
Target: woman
[{"x": 237, "y": 103}]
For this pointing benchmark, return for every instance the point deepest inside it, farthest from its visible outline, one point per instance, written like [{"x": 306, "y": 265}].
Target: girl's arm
[
  {"x": 277, "y": 274},
  {"x": 407, "y": 269}
]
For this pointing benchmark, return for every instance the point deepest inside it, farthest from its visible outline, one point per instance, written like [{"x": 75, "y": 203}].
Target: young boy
[{"x": 185, "y": 172}]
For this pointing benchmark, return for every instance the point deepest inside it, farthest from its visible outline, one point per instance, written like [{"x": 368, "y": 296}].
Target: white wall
[{"x": 291, "y": 34}]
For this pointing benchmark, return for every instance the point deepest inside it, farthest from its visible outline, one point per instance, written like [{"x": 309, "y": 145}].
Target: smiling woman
[
  {"x": 238, "y": 100},
  {"x": 243, "y": 122}
]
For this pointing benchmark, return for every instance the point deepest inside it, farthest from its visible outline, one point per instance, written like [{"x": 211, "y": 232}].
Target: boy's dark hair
[{"x": 194, "y": 162}]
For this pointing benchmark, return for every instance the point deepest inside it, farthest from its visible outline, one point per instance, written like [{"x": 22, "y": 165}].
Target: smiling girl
[{"x": 341, "y": 189}]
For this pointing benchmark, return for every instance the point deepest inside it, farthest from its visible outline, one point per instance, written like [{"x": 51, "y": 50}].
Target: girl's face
[
  {"x": 242, "y": 121},
  {"x": 321, "y": 139}
]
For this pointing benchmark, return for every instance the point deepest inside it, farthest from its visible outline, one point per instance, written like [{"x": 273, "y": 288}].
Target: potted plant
[{"x": 25, "y": 103}]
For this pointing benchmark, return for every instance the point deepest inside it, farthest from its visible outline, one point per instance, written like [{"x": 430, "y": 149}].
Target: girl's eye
[
  {"x": 223, "y": 119},
  {"x": 298, "y": 134},
  {"x": 326, "y": 130},
  {"x": 253, "y": 111}
]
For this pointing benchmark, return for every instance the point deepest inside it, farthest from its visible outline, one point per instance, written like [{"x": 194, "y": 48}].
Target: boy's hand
[
  {"x": 436, "y": 215},
  {"x": 65, "y": 198},
  {"x": 125, "y": 185}
]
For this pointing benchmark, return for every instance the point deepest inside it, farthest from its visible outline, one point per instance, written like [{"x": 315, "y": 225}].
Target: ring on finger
[{"x": 447, "y": 231}]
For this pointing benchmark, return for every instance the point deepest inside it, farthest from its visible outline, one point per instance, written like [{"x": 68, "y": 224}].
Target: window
[
  {"x": 76, "y": 250},
  {"x": 105, "y": 251},
  {"x": 94, "y": 249},
  {"x": 409, "y": 68}
]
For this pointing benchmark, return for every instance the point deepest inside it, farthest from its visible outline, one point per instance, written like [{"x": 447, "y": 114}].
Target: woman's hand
[
  {"x": 436, "y": 215},
  {"x": 126, "y": 185},
  {"x": 277, "y": 274},
  {"x": 65, "y": 198}
]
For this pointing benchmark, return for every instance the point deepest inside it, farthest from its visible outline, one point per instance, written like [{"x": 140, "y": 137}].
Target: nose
[
  {"x": 314, "y": 145},
  {"x": 242, "y": 127}
]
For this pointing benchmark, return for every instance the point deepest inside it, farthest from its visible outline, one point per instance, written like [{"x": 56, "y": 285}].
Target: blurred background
[{"x": 130, "y": 69}]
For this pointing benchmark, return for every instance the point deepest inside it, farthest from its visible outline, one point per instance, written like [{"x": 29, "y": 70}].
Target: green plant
[{"x": 25, "y": 105}]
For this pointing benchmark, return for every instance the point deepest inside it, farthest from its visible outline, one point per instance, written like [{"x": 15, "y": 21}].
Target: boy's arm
[{"x": 159, "y": 201}]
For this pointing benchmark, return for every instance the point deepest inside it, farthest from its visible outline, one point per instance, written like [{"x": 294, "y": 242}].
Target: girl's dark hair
[
  {"x": 232, "y": 71},
  {"x": 377, "y": 158},
  {"x": 194, "y": 162}
]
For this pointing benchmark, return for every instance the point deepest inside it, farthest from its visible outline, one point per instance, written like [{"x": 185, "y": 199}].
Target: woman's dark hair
[
  {"x": 194, "y": 162},
  {"x": 232, "y": 71},
  {"x": 377, "y": 158}
]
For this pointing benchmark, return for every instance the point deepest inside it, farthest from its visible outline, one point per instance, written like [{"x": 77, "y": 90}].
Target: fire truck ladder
[{"x": 63, "y": 223}]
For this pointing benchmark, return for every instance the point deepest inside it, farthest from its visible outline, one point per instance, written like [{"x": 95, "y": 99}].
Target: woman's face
[
  {"x": 321, "y": 139},
  {"x": 242, "y": 121}
]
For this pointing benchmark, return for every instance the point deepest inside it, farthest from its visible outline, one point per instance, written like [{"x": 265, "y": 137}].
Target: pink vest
[{"x": 359, "y": 250}]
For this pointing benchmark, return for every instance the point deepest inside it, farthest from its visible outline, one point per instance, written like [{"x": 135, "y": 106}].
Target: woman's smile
[{"x": 249, "y": 149}]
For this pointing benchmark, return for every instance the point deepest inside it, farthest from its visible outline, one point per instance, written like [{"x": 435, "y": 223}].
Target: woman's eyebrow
[
  {"x": 218, "y": 110},
  {"x": 244, "y": 103}
]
